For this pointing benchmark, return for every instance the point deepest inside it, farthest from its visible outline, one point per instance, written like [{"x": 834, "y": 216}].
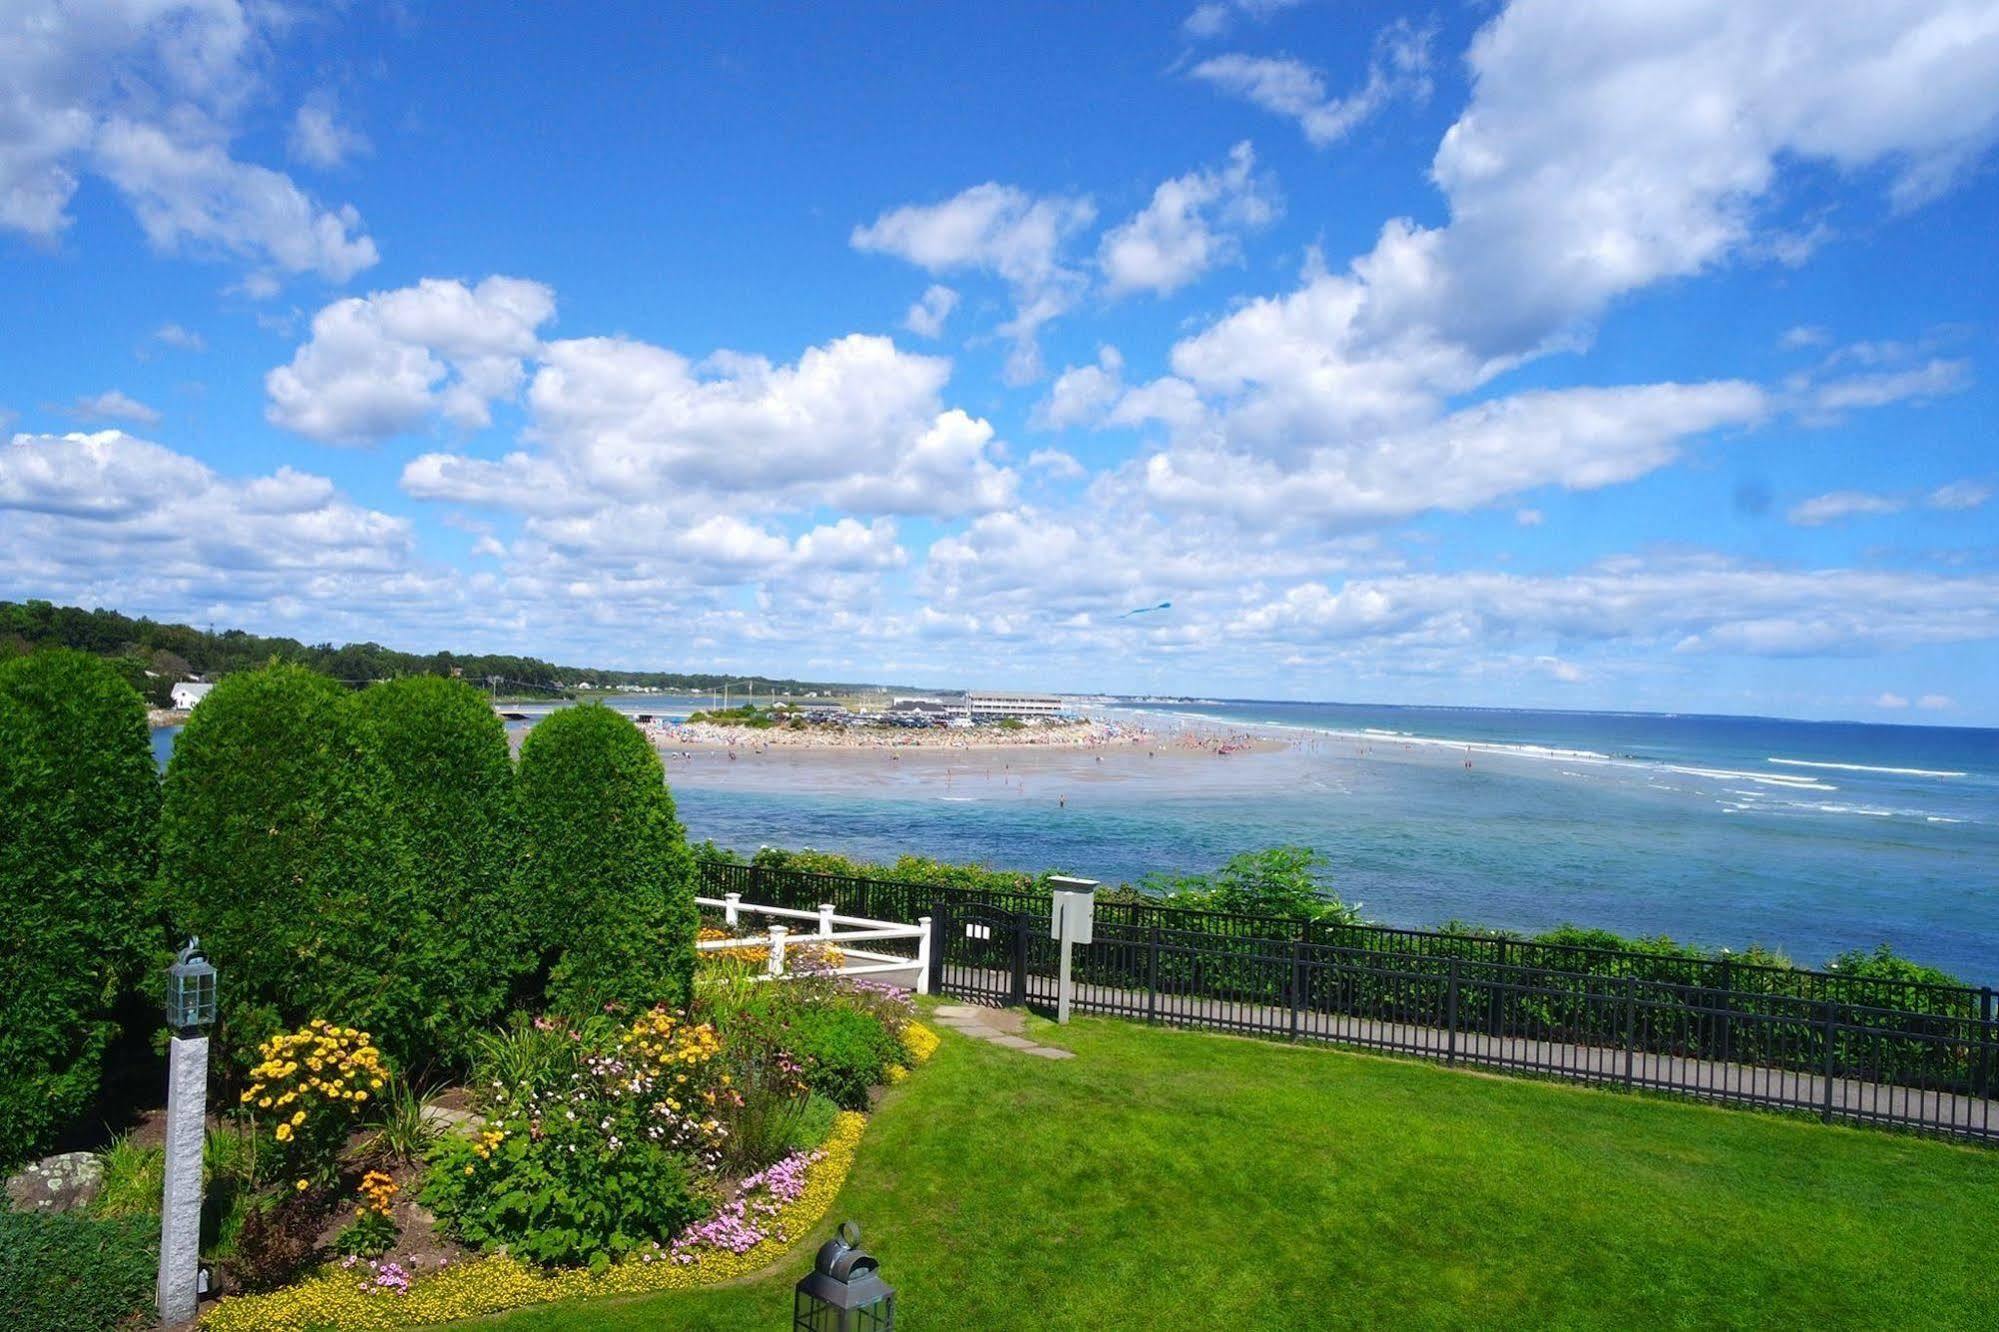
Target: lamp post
[
  {"x": 844, "y": 1291},
  {"x": 190, "y": 1012}
]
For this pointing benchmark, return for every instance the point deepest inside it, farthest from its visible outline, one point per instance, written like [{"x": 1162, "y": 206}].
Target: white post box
[{"x": 1071, "y": 920}]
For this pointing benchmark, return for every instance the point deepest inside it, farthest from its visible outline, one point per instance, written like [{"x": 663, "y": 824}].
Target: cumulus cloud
[
  {"x": 1582, "y": 439},
  {"x": 1959, "y": 496},
  {"x": 180, "y": 339},
  {"x": 1399, "y": 68},
  {"x": 998, "y": 229},
  {"x": 1082, "y": 394},
  {"x": 379, "y": 365},
  {"x": 114, "y": 405},
  {"x": 1214, "y": 18},
  {"x": 1190, "y": 226},
  {"x": 1891, "y": 701},
  {"x": 147, "y": 95},
  {"x": 1057, "y": 465},
  {"x": 926, "y": 317}
]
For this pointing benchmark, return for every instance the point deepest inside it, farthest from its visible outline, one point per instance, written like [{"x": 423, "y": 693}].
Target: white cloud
[
  {"x": 1214, "y": 18},
  {"x": 1190, "y": 226},
  {"x": 195, "y": 197},
  {"x": 1001, "y": 230},
  {"x": 107, "y": 518},
  {"x": 147, "y": 94},
  {"x": 379, "y": 365},
  {"x": 1582, "y": 439},
  {"x": 1891, "y": 701},
  {"x": 1399, "y": 68},
  {"x": 317, "y": 136},
  {"x": 926, "y": 317},
  {"x": 1057, "y": 465},
  {"x": 181, "y": 339},
  {"x": 1936, "y": 702},
  {"x": 114, "y": 405},
  {"x": 1920, "y": 384},
  {"x": 1081, "y": 395},
  {"x": 1801, "y": 336},
  {"x": 1958, "y": 496},
  {"x": 1841, "y": 504},
  {"x": 1529, "y": 517}
]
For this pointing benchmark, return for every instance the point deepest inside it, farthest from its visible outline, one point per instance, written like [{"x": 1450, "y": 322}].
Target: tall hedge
[
  {"x": 79, "y": 803},
  {"x": 281, "y": 848},
  {"x": 452, "y": 781},
  {"x": 605, "y": 873}
]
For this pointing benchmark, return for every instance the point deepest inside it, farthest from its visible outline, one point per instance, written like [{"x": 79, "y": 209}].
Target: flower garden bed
[{"x": 611, "y": 1154}]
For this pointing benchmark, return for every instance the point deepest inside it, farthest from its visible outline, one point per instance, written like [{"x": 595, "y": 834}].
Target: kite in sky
[{"x": 1147, "y": 610}]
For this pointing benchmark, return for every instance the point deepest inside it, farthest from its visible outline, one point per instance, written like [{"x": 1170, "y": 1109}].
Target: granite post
[{"x": 180, "y": 1213}]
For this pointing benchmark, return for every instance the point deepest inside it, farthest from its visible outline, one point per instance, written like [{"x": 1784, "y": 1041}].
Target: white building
[
  {"x": 986, "y": 706},
  {"x": 188, "y": 693}
]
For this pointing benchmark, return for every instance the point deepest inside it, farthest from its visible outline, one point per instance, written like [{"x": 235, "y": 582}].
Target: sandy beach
[{"x": 1087, "y": 734}]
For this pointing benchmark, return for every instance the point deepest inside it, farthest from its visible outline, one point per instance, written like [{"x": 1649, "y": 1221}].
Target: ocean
[{"x": 1808, "y": 837}]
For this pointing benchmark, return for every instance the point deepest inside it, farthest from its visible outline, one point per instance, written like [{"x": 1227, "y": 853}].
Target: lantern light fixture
[
  {"x": 190, "y": 991},
  {"x": 844, "y": 1291}
]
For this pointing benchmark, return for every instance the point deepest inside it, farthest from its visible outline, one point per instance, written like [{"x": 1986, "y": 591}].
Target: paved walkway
[{"x": 999, "y": 1026}]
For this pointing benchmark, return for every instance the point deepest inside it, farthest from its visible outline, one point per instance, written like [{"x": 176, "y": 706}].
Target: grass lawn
[{"x": 1173, "y": 1179}]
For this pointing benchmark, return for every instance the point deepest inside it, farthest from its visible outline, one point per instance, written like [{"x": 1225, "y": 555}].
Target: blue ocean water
[{"x": 1809, "y": 837}]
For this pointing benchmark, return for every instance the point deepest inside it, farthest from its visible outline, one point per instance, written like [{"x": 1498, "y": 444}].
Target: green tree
[
  {"x": 1280, "y": 881},
  {"x": 607, "y": 881},
  {"x": 280, "y": 847},
  {"x": 79, "y": 805},
  {"x": 452, "y": 782}
]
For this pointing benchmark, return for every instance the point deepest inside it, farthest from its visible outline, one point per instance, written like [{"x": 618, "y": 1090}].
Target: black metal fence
[{"x": 1877, "y": 1051}]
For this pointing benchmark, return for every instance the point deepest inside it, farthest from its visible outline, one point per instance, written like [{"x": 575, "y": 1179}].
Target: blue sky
[{"x": 1606, "y": 355}]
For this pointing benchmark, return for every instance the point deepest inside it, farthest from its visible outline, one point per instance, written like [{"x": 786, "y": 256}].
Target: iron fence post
[
  {"x": 940, "y": 942},
  {"x": 1297, "y": 985},
  {"x": 1451, "y": 1016},
  {"x": 1152, "y": 974},
  {"x": 1831, "y": 1059},
  {"x": 1985, "y": 1036},
  {"x": 1630, "y": 1032},
  {"x": 1495, "y": 1009},
  {"x": 1020, "y": 928}
]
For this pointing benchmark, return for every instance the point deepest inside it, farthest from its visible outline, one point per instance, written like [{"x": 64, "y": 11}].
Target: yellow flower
[
  {"x": 284, "y": 1133},
  {"x": 300, "y": 1184},
  {"x": 298, "y": 1118}
]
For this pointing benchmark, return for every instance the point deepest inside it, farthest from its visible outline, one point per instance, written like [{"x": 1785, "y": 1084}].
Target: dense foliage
[
  {"x": 844, "y": 1052},
  {"x": 451, "y": 780},
  {"x": 62, "y": 1272},
  {"x": 1281, "y": 881},
  {"x": 175, "y": 651},
  {"x": 280, "y": 845},
  {"x": 606, "y": 881},
  {"x": 79, "y": 804}
]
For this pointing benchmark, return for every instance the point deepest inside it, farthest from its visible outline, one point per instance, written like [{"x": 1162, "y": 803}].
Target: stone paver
[{"x": 995, "y": 1026}]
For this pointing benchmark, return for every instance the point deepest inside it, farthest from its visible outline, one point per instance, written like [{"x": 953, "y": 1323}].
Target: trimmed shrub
[
  {"x": 606, "y": 881},
  {"x": 63, "y": 1272},
  {"x": 79, "y": 805},
  {"x": 452, "y": 783},
  {"x": 280, "y": 847}
]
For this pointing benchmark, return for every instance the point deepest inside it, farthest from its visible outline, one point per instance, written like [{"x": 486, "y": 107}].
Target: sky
[{"x": 1603, "y": 354}]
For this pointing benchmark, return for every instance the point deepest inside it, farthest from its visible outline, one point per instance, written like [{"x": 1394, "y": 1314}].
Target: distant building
[
  {"x": 188, "y": 693},
  {"x": 927, "y": 707},
  {"x": 992, "y": 706}
]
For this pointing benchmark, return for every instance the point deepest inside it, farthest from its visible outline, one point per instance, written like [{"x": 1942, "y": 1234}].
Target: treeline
[
  {"x": 375, "y": 854},
  {"x": 152, "y": 657}
]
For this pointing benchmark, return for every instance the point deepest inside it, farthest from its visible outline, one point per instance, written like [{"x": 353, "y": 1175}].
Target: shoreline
[{"x": 1090, "y": 735}]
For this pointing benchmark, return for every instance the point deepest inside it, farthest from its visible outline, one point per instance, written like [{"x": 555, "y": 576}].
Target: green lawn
[{"x": 1171, "y": 1179}]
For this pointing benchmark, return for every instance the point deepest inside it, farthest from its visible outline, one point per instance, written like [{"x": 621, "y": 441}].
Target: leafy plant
[
  {"x": 813, "y": 1123},
  {"x": 64, "y": 1272},
  {"x": 404, "y": 1130},
  {"x": 537, "y": 1054},
  {"x": 133, "y": 1180},
  {"x": 844, "y": 1051},
  {"x": 373, "y": 1231},
  {"x": 279, "y": 1238},
  {"x": 771, "y": 1094},
  {"x": 606, "y": 881},
  {"x": 586, "y": 1170},
  {"x": 309, "y": 1090},
  {"x": 79, "y": 805}
]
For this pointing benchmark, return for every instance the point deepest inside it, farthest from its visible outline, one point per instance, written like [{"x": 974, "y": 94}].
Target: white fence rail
[{"x": 825, "y": 922}]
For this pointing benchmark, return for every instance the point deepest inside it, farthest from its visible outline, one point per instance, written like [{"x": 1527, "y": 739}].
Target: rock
[{"x": 68, "y": 1182}]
